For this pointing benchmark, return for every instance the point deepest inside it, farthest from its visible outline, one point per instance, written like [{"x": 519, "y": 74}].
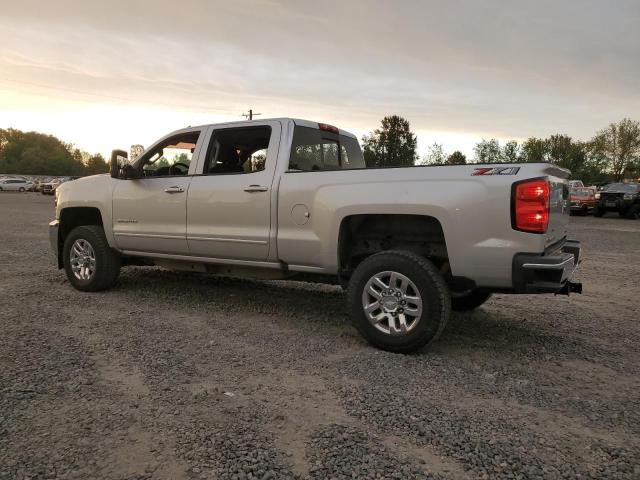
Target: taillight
[{"x": 530, "y": 205}]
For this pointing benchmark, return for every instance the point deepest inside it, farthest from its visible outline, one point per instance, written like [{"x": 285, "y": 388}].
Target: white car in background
[{"x": 15, "y": 185}]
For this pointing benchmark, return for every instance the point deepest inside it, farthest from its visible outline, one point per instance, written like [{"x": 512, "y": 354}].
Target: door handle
[
  {"x": 256, "y": 188},
  {"x": 174, "y": 190}
]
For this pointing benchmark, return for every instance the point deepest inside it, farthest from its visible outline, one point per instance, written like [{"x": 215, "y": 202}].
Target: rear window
[{"x": 313, "y": 150}]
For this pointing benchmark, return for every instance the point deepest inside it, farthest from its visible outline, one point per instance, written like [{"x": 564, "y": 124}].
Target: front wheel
[
  {"x": 398, "y": 301},
  {"x": 464, "y": 302},
  {"x": 90, "y": 264},
  {"x": 598, "y": 212}
]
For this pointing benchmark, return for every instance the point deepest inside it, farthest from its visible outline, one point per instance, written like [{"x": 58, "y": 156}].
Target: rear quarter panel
[{"x": 474, "y": 211}]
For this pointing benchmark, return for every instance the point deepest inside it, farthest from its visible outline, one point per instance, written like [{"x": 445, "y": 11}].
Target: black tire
[
  {"x": 598, "y": 212},
  {"x": 430, "y": 285},
  {"x": 21, "y": 189},
  {"x": 107, "y": 260},
  {"x": 585, "y": 211},
  {"x": 632, "y": 212},
  {"x": 469, "y": 301}
]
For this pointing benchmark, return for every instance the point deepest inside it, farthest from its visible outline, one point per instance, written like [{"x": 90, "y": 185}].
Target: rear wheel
[
  {"x": 90, "y": 264},
  {"x": 470, "y": 300},
  {"x": 398, "y": 301}
]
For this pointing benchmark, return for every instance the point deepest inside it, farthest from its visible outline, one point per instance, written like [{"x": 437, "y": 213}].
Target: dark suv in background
[{"x": 623, "y": 198}]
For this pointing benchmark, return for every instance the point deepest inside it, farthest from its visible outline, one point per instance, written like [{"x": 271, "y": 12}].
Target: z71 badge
[{"x": 495, "y": 171}]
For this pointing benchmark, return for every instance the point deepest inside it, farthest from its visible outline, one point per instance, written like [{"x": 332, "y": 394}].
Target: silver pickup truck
[{"x": 293, "y": 199}]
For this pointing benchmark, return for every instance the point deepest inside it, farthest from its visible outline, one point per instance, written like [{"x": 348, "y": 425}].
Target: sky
[{"x": 106, "y": 75}]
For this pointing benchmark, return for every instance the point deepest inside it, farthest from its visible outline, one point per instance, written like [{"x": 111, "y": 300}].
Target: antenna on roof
[{"x": 250, "y": 115}]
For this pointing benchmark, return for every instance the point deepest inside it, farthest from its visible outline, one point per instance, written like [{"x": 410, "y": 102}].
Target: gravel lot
[{"x": 176, "y": 376}]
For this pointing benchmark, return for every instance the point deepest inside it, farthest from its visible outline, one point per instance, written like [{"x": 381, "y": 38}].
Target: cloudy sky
[{"x": 105, "y": 75}]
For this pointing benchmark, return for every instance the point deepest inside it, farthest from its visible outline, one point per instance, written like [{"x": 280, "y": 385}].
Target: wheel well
[
  {"x": 73, "y": 217},
  {"x": 364, "y": 235}
]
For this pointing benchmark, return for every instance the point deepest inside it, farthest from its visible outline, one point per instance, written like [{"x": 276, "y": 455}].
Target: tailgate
[{"x": 558, "y": 205}]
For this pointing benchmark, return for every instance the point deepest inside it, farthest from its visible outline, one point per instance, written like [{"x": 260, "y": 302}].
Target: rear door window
[
  {"x": 314, "y": 150},
  {"x": 238, "y": 150}
]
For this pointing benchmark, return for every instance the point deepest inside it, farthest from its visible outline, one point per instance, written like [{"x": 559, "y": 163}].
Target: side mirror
[{"x": 119, "y": 163}]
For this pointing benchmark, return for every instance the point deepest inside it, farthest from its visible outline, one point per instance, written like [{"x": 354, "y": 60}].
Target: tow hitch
[{"x": 569, "y": 288}]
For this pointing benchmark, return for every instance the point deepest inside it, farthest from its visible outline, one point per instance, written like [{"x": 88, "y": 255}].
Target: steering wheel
[{"x": 180, "y": 172}]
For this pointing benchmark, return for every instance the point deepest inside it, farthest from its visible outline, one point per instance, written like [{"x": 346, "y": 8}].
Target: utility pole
[{"x": 250, "y": 115}]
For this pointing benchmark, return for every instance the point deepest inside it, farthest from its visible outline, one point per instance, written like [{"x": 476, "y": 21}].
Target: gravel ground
[{"x": 176, "y": 376}]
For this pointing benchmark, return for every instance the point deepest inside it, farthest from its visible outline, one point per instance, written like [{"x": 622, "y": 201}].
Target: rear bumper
[{"x": 535, "y": 273}]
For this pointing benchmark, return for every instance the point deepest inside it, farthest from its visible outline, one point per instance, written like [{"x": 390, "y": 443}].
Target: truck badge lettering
[{"x": 495, "y": 171}]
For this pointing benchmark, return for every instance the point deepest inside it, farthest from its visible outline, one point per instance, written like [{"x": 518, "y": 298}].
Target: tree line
[
  {"x": 611, "y": 155},
  {"x": 32, "y": 153}
]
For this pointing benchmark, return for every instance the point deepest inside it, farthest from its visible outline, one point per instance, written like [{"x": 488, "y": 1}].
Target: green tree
[
  {"x": 511, "y": 152},
  {"x": 618, "y": 147},
  {"x": 488, "y": 151},
  {"x": 392, "y": 145},
  {"x": 34, "y": 153},
  {"x": 565, "y": 152},
  {"x": 160, "y": 163},
  {"x": 457, "y": 158},
  {"x": 181, "y": 158},
  {"x": 435, "y": 155},
  {"x": 534, "y": 150},
  {"x": 96, "y": 164}
]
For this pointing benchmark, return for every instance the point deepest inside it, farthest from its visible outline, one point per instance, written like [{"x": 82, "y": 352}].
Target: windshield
[{"x": 621, "y": 187}]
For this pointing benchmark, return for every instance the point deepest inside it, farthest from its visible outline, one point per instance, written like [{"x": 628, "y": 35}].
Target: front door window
[{"x": 171, "y": 158}]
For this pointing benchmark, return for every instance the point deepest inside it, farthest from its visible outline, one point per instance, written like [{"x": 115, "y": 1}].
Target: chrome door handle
[
  {"x": 174, "y": 190},
  {"x": 255, "y": 188}
]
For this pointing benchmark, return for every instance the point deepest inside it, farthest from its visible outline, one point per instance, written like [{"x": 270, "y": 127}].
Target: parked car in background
[
  {"x": 15, "y": 185},
  {"x": 49, "y": 188},
  {"x": 582, "y": 200},
  {"x": 623, "y": 198}
]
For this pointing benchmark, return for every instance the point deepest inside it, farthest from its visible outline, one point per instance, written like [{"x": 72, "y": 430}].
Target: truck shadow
[{"x": 299, "y": 304}]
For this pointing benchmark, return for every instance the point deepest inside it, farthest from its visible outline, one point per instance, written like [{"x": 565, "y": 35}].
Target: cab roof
[{"x": 297, "y": 121}]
